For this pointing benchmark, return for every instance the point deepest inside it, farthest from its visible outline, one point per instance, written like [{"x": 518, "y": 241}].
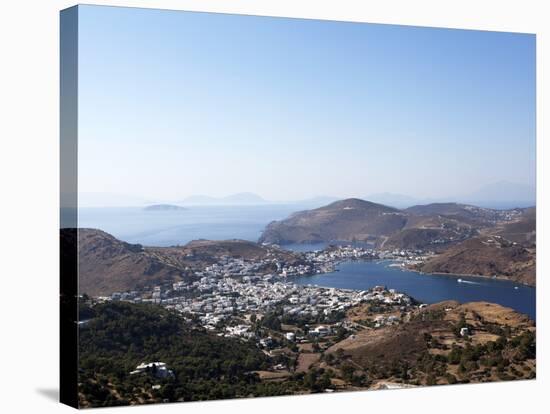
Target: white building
[{"x": 158, "y": 369}]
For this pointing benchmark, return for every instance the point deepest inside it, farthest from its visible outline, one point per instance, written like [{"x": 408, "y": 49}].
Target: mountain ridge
[
  {"x": 347, "y": 219},
  {"x": 433, "y": 226}
]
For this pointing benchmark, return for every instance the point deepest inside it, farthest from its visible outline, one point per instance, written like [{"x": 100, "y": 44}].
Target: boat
[{"x": 459, "y": 280}]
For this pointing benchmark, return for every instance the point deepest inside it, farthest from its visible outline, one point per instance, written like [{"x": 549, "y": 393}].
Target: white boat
[{"x": 459, "y": 280}]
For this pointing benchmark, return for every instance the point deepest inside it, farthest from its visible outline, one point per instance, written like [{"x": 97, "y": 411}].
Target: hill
[
  {"x": 433, "y": 226},
  {"x": 200, "y": 253},
  {"x": 486, "y": 256},
  {"x": 108, "y": 265},
  {"x": 429, "y": 349},
  {"x": 523, "y": 230},
  {"x": 433, "y": 231},
  {"x": 433, "y": 238},
  {"x": 350, "y": 219},
  {"x": 464, "y": 213}
]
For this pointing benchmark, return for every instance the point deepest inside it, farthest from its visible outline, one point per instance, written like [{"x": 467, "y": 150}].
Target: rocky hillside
[
  {"x": 433, "y": 226},
  {"x": 464, "y": 213},
  {"x": 434, "y": 232},
  {"x": 486, "y": 256},
  {"x": 523, "y": 230},
  {"x": 108, "y": 265},
  {"x": 428, "y": 348},
  {"x": 197, "y": 254},
  {"x": 350, "y": 219}
]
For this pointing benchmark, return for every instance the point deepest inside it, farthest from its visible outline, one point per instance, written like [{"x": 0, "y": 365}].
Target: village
[
  {"x": 231, "y": 296},
  {"x": 236, "y": 286}
]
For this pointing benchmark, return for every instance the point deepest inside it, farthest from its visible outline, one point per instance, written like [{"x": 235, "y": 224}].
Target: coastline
[
  {"x": 429, "y": 290},
  {"x": 458, "y": 275},
  {"x": 337, "y": 262}
]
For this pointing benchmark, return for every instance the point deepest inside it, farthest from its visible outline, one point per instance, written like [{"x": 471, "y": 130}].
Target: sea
[
  {"x": 172, "y": 228},
  {"x": 362, "y": 275}
]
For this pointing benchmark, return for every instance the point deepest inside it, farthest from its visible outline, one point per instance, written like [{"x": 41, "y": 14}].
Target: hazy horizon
[
  {"x": 499, "y": 195},
  {"x": 177, "y": 104}
]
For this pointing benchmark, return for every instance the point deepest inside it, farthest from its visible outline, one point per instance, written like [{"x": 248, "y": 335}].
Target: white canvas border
[{"x": 29, "y": 170}]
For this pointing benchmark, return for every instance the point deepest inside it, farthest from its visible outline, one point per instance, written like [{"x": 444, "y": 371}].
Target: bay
[{"x": 427, "y": 288}]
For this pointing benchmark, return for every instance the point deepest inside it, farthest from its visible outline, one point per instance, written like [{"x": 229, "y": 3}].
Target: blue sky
[{"x": 176, "y": 103}]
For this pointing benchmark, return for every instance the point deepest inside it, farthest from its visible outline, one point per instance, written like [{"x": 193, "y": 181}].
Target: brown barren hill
[
  {"x": 351, "y": 219},
  {"x": 387, "y": 345},
  {"x": 478, "y": 313},
  {"x": 197, "y": 254},
  {"x": 463, "y": 213},
  {"x": 522, "y": 230},
  {"x": 433, "y": 226},
  {"x": 417, "y": 349},
  {"x": 108, "y": 265},
  {"x": 486, "y": 256}
]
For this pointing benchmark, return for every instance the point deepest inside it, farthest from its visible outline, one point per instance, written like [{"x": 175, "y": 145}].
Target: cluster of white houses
[
  {"x": 229, "y": 297},
  {"x": 231, "y": 266},
  {"x": 221, "y": 294},
  {"x": 325, "y": 260}
]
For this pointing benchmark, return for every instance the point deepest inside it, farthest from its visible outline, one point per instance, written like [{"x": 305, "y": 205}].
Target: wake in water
[{"x": 469, "y": 282}]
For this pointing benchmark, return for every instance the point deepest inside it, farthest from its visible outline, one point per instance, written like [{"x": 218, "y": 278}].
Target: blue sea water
[
  {"x": 362, "y": 275},
  {"x": 168, "y": 228}
]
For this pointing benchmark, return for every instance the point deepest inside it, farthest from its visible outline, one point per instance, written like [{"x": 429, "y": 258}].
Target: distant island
[{"x": 164, "y": 207}]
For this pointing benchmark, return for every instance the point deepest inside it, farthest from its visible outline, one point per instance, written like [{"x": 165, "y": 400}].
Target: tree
[
  {"x": 347, "y": 372},
  {"x": 430, "y": 380},
  {"x": 451, "y": 379}
]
